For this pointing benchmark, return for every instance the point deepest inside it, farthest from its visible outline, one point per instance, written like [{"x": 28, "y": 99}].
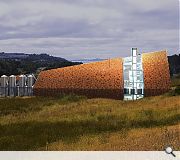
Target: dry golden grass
[
  {"x": 142, "y": 139},
  {"x": 77, "y": 123}
]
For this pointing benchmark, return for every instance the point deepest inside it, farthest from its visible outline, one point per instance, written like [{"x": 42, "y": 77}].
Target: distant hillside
[
  {"x": 33, "y": 57},
  {"x": 89, "y": 60},
  {"x": 20, "y": 63},
  {"x": 4, "y": 55}
]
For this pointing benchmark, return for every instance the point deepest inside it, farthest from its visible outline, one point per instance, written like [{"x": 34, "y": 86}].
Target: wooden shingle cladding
[
  {"x": 156, "y": 73},
  {"x": 99, "y": 79},
  {"x": 104, "y": 79}
]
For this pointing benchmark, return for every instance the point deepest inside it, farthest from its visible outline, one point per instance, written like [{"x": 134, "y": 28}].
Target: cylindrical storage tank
[
  {"x": 4, "y": 88},
  {"x": 22, "y": 80},
  {"x": 30, "y": 82},
  {"x": 22, "y": 84},
  {"x": 12, "y": 85},
  {"x": 4, "y": 80}
]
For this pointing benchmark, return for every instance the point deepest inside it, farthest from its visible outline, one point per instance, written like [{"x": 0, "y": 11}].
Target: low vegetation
[
  {"x": 76, "y": 123},
  {"x": 175, "y": 80}
]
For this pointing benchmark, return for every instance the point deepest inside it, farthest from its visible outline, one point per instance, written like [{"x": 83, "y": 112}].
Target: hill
[
  {"x": 89, "y": 60},
  {"x": 20, "y": 63},
  {"x": 34, "y": 57}
]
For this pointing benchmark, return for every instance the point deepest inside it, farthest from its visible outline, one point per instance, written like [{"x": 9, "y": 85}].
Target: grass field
[{"x": 76, "y": 123}]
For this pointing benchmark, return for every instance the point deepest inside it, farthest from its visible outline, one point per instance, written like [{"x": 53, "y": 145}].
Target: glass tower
[{"x": 133, "y": 76}]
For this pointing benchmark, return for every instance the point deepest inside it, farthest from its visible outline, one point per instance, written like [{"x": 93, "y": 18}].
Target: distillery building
[{"x": 129, "y": 78}]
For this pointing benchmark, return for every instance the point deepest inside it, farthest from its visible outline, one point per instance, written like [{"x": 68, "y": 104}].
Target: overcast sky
[{"x": 76, "y": 29}]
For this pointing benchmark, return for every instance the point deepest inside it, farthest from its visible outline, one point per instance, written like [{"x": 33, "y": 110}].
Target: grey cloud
[{"x": 88, "y": 28}]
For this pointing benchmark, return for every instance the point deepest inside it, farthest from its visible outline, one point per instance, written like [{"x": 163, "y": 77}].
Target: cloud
[{"x": 88, "y": 28}]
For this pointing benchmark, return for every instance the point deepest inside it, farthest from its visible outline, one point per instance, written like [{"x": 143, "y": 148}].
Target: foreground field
[{"x": 77, "y": 123}]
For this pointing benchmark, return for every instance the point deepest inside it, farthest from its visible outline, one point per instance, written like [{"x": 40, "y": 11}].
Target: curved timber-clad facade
[
  {"x": 99, "y": 79},
  {"x": 156, "y": 73},
  {"x": 105, "y": 79}
]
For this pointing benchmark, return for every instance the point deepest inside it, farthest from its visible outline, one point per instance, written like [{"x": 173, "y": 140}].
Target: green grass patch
[
  {"x": 65, "y": 99},
  {"x": 17, "y": 105}
]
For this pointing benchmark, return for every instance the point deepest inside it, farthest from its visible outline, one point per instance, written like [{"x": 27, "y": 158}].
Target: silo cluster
[{"x": 16, "y": 85}]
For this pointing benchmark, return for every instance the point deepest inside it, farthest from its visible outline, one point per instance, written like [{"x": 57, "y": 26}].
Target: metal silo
[
  {"x": 30, "y": 82},
  {"x": 12, "y": 85},
  {"x": 22, "y": 84},
  {"x": 3, "y": 87}
]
